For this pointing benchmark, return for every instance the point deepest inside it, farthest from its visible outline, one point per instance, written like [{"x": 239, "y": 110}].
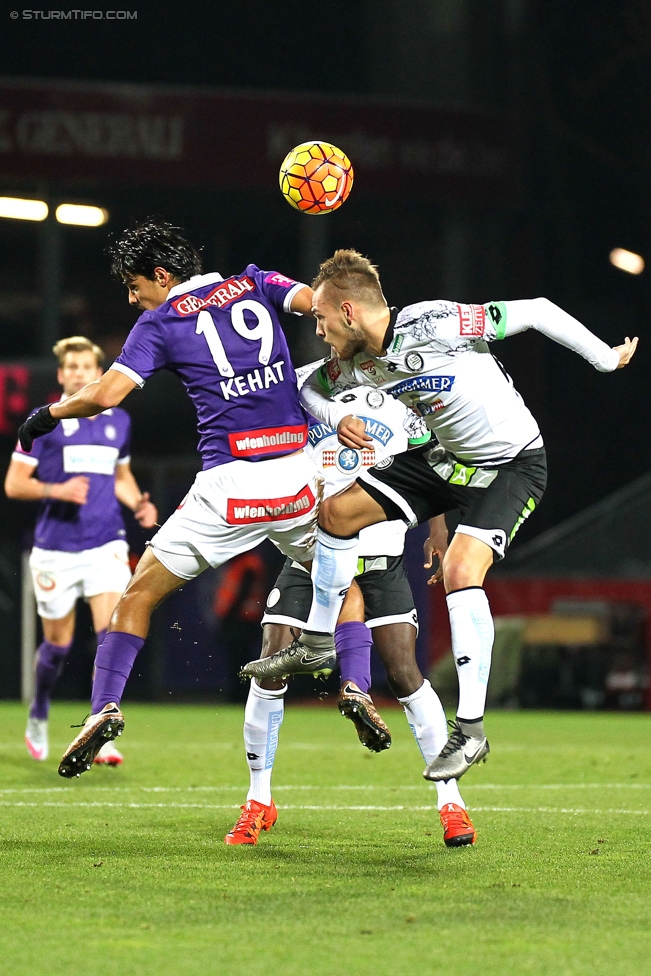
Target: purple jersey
[
  {"x": 91, "y": 447},
  {"x": 224, "y": 340}
]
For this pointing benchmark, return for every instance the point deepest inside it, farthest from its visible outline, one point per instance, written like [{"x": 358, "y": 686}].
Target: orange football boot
[
  {"x": 458, "y": 829},
  {"x": 254, "y": 818}
]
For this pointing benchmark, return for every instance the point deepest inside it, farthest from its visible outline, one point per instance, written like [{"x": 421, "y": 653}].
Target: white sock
[
  {"x": 427, "y": 721},
  {"x": 335, "y": 562},
  {"x": 473, "y": 632},
  {"x": 263, "y": 716}
]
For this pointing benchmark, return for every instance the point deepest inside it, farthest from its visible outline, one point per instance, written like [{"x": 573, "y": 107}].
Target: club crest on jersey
[
  {"x": 414, "y": 362},
  {"x": 375, "y": 399},
  {"x": 472, "y": 320},
  {"x": 225, "y": 293},
  {"x": 348, "y": 460}
]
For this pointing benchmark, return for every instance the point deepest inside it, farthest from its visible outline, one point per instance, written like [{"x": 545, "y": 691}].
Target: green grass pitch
[{"x": 125, "y": 871}]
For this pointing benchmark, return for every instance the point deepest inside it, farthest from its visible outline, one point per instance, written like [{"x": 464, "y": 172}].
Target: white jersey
[
  {"x": 392, "y": 426},
  {"x": 438, "y": 362}
]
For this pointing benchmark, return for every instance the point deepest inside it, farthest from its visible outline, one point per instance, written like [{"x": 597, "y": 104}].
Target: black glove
[{"x": 41, "y": 422}]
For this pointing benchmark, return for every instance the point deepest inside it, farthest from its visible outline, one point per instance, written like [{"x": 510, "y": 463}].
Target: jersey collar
[
  {"x": 196, "y": 281},
  {"x": 388, "y": 335}
]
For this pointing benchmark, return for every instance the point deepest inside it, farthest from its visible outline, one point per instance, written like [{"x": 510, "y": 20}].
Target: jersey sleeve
[
  {"x": 509, "y": 318},
  {"x": 319, "y": 389},
  {"x": 416, "y": 429},
  {"x": 277, "y": 288},
  {"x": 144, "y": 352},
  {"x": 451, "y": 326}
]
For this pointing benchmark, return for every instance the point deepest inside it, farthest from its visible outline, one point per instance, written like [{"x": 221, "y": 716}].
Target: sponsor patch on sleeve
[
  {"x": 275, "y": 278},
  {"x": 472, "y": 320}
]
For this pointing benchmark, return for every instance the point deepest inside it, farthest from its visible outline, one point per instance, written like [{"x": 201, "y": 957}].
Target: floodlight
[
  {"x": 19, "y": 209},
  {"x": 82, "y": 216},
  {"x": 627, "y": 261}
]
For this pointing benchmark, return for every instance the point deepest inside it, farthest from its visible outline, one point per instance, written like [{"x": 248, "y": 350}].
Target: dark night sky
[{"x": 578, "y": 81}]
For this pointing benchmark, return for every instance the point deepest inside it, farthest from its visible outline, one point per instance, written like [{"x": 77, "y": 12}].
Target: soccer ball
[{"x": 316, "y": 177}]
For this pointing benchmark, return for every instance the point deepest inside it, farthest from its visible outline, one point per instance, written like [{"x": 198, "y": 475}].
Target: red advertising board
[{"x": 140, "y": 134}]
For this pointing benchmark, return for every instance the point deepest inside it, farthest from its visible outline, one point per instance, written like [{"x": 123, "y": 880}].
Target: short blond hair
[
  {"x": 77, "y": 344},
  {"x": 353, "y": 275}
]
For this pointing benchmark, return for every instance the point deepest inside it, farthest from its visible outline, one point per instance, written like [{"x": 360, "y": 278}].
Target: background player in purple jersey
[
  {"x": 224, "y": 340},
  {"x": 79, "y": 473}
]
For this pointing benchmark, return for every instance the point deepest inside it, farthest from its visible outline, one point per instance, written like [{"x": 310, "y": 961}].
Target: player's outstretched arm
[
  {"x": 550, "y": 320},
  {"x": 108, "y": 391},
  {"x": 128, "y": 493}
]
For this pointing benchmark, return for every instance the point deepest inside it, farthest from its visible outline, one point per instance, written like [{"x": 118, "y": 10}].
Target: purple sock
[
  {"x": 113, "y": 665},
  {"x": 353, "y": 644},
  {"x": 49, "y": 660},
  {"x": 101, "y": 636}
]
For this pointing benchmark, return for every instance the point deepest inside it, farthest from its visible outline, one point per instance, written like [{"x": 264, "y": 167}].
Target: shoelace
[
  {"x": 82, "y": 724},
  {"x": 457, "y": 739},
  {"x": 248, "y": 819}
]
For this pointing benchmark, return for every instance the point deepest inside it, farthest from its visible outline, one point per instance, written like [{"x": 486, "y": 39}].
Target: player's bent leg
[
  {"x": 149, "y": 585},
  {"x": 353, "y": 643}
]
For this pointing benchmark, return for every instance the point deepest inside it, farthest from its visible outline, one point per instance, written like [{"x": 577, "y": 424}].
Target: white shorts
[
  {"x": 233, "y": 507},
  {"x": 61, "y": 578}
]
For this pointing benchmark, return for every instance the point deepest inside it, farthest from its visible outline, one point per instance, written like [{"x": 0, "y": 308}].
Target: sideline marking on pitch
[
  {"x": 575, "y": 811},
  {"x": 341, "y": 786}
]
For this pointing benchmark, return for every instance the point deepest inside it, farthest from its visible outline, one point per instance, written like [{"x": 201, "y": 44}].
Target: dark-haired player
[
  {"x": 224, "y": 340},
  {"x": 489, "y": 462},
  {"x": 79, "y": 473},
  {"x": 381, "y": 610}
]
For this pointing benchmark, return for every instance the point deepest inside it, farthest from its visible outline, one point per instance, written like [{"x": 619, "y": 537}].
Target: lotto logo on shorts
[
  {"x": 245, "y": 511},
  {"x": 268, "y": 440},
  {"x": 472, "y": 320}
]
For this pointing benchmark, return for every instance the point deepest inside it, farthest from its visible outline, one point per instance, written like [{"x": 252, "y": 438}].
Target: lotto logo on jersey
[
  {"x": 267, "y": 440},
  {"x": 472, "y": 320},
  {"x": 246, "y": 511},
  {"x": 225, "y": 293},
  {"x": 278, "y": 279}
]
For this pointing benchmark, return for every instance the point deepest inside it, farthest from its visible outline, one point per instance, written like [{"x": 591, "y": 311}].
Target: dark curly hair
[{"x": 153, "y": 243}]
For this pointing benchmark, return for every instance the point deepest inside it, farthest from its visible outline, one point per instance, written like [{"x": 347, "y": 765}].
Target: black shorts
[
  {"x": 382, "y": 579},
  {"x": 494, "y": 500}
]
